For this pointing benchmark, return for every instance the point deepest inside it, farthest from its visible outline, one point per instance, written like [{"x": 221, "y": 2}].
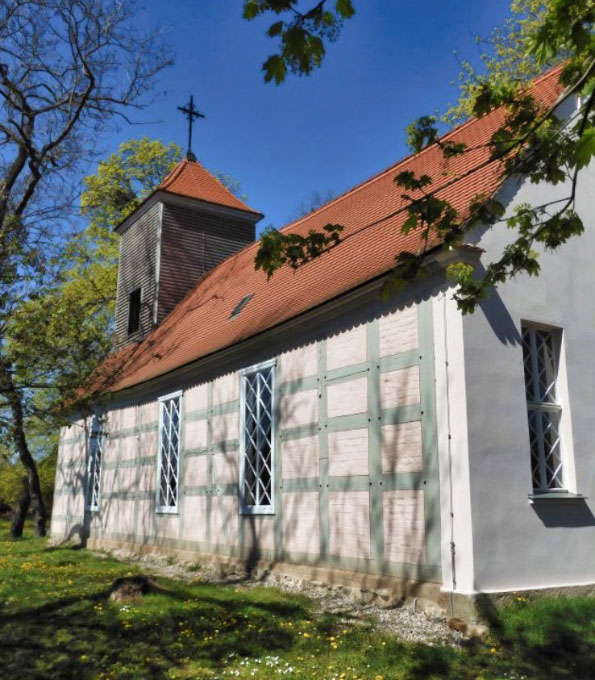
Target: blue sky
[{"x": 393, "y": 62}]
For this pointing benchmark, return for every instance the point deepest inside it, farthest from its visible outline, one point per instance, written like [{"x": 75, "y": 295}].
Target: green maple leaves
[{"x": 302, "y": 36}]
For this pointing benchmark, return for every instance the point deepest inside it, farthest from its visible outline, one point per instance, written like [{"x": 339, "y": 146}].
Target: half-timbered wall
[{"x": 356, "y": 480}]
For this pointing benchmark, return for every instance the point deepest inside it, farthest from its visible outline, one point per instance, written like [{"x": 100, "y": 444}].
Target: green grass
[{"x": 56, "y": 622}]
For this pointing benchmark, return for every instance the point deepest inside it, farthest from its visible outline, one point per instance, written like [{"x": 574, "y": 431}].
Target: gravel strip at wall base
[{"x": 357, "y": 607}]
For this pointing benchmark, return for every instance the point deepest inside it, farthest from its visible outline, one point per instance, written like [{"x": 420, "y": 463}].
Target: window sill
[
  {"x": 254, "y": 510},
  {"x": 555, "y": 496},
  {"x": 166, "y": 511}
]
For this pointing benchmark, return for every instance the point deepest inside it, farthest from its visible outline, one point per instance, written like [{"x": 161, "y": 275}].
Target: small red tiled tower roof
[{"x": 191, "y": 179}]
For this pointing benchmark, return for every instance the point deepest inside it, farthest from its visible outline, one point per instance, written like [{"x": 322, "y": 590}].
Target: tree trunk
[
  {"x": 17, "y": 431},
  {"x": 20, "y": 510}
]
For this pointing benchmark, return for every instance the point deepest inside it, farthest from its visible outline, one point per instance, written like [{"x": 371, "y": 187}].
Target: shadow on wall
[
  {"x": 404, "y": 532},
  {"x": 569, "y": 514},
  {"x": 498, "y": 316},
  {"x": 74, "y": 478}
]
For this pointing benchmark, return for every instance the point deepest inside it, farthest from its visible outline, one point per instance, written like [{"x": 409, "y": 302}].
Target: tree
[
  {"x": 68, "y": 70},
  {"x": 70, "y": 325},
  {"x": 531, "y": 142},
  {"x": 503, "y": 57},
  {"x": 314, "y": 201},
  {"x": 301, "y": 36}
]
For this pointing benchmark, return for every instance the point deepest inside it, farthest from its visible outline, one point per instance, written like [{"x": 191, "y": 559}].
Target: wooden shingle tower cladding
[{"x": 189, "y": 224}]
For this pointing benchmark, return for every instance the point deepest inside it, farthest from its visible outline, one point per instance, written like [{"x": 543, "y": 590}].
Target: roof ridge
[{"x": 172, "y": 174}]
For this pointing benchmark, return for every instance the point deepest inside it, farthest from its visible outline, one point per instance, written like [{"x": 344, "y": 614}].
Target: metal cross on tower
[{"x": 191, "y": 114}]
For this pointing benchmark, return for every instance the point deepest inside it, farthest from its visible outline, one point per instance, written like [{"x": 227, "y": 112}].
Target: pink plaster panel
[
  {"x": 347, "y": 397},
  {"x": 300, "y": 408},
  {"x": 195, "y": 519},
  {"x": 149, "y": 412},
  {"x": 57, "y": 527},
  {"x": 113, "y": 421},
  {"x": 109, "y": 480},
  {"x": 347, "y": 348},
  {"x": 129, "y": 416},
  {"x": 129, "y": 447},
  {"x": 259, "y": 532},
  {"x": 225, "y": 427},
  {"x": 404, "y": 526},
  {"x": 225, "y": 468},
  {"x": 59, "y": 507},
  {"x": 126, "y": 519},
  {"x": 348, "y": 453},
  {"x": 68, "y": 479},
  {"x": 349, "y": 523},
  {"x": 95, "y": 525},
  {"x": 301, "y": 523},
  {"x": 168, "y": 526},
  {"x": 398, "y": 331},
  {"x": 226, "y": 388},
  {"x": 65, "y": 454},
  {"x": 127, "y": 479},
  {"x": 224, "y": 520},
  {"x": 401, "y": 448},
  {"x": 147, "y": 477},
  {"x": 196, "y": 399},
  {"x": 79, "y": 453},
  {"x": 195, "y": 471},
  {"x": 399, "y": 388},
  {"x": 110, "y": 450},
  {"x": 299, "y": 458},
  {"x": 145, "y": 526},
  {"x": 299, "y": 363},
  {"x": 195, "y": 434},
  {"x": 148, "y": 444},
  {"x": 109, "y": 513},
  {"x": 60, "y": 478}
]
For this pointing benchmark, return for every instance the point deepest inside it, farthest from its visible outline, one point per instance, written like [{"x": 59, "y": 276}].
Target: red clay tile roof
[
  {"x": 191, "y": 179},
  {"x": 372, "y": 214}
]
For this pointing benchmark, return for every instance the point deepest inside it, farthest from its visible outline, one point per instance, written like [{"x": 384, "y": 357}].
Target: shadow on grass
[
  {"x": 89, "y": 637},
  {"x": 547, "y": 638}
]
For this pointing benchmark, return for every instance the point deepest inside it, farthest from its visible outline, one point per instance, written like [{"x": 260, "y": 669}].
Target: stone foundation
[{"x": 386, "y": 591}]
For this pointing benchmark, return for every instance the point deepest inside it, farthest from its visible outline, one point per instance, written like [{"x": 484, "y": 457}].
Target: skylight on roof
[{"x": 241, "y": 304}]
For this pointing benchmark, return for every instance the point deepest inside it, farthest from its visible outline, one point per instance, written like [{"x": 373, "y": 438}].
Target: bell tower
[{"x": 187, "y": 226}]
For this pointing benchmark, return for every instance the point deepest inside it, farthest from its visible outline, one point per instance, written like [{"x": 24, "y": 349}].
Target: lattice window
[
  {"x": 257, "y": 439},
  {"x": 540, "y": 357},
  {"x": 95, "y": 443},
  {"x": 168, "y": 466}
]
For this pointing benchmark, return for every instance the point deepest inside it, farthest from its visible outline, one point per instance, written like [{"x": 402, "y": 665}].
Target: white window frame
[
  {"x": 245, "y": 508},
  {"x": 168, "y": 509},
  {"x": 556, "y": 406},
  {"x": 95, "y": 444}
]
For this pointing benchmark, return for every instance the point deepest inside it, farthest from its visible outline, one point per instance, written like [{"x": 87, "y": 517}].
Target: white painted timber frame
[
  {"x": 244, "y": 373},
  {"x": 168, "y": 509}
]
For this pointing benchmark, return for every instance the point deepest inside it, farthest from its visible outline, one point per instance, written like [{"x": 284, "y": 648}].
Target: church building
[{"x": 305, "y": 427}]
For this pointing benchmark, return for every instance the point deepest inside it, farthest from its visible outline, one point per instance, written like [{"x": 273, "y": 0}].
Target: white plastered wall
[{"x": 518, "y": 544}]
